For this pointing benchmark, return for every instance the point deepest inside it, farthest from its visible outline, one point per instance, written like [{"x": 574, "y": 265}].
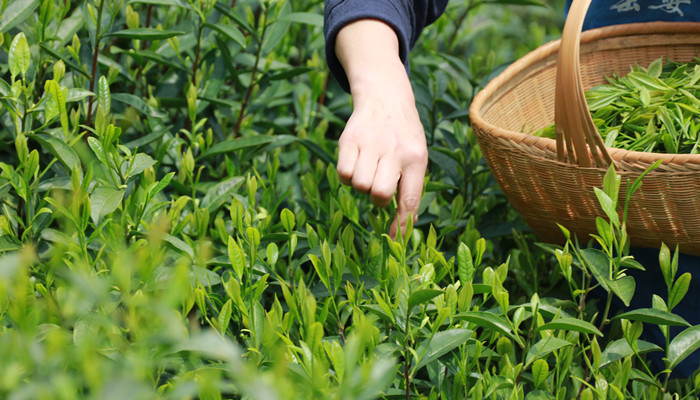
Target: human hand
[{"x": 383, "y": 148}]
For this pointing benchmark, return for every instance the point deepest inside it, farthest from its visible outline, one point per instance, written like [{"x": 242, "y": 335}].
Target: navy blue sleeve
[{"x": 406, "y": 17}]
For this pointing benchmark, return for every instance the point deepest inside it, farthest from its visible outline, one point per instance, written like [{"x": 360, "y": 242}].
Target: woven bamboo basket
[{"x": 550, "y": 181}]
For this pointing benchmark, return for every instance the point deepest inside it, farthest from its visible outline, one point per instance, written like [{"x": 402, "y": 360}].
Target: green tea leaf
[
  {"x": 440, "y": 344},
  {"x": 51, "y": 109},
  {"x": 237, "y": 258},
  {"x": 620, "y": 349},
  {"x": 175, "y": 3},
  {"x": 104, "y": 201},
  {"x": 230, "y": 32},
  {"x": 140, "y": 163},
  {"x": 236, "y": 144},
  {"x": 8, "y": 243},
  {"x": 276, "y": 31},
  {"x": 642, "y": 80},
  {"x": 653, "y": 316},
  {"x": 286, "y": 74},
  {"x": 539, "y": 395},
  {"x": 422, "y": 296},
  {"x": 19, "y": 56},
  {"x": 138, "y": 104},
  {"x": 287, "y": 218},
  {"x": 465, "y": 264},
  {"x": 656, "y": 67},
  {"x": 145, "y": 34},
  {"x": 599, "y": 265},
  {"x": 59, "y": 95},
  {"x": 104, "y": 99},
  {"x": 480, "y": 250},
  {"x": 571, "y": 324},
  {"x": 683, "y": 345},
  {"x": 213, "y": 345},
  {"x": 15, "y": 13},
  {"x": 320, "y": 271},
  {"x": 218, "y": 194},
  {"x": 64, "y": 153},
  {"x": 225, "y": 316},
  {"x": 77, "y": 94},
  {"x": 604, "y": 231},
  {"x": 204, "y": 276},
  {"x": 680, "y": 288},
  {"x": 611, "y": 184},
  {"x": 623, "y": 288},
  {"x": 544, "y": 347},
  {"x": 180, "y": 245},
  {"x": 157, "y": 58},
  {"x": 314, "y": 19},
  {"x": 540, "y": 370},
  {"x": 644, "y": 97},
  {"x": 608, "y": 205},
  {"x": 162, "y": 184},
  {"x": 337, "y": 356},
  {"x": 489, "y": 321},
  {"x": 72, "y": 65},
  {"x": 144, "y": 140},
  {"x": 272, "y": 253}
]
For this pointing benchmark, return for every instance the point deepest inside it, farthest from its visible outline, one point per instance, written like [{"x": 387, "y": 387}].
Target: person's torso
[{"x": 612, "y": 12}]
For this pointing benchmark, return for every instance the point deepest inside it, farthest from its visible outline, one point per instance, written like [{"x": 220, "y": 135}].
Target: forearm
[
  {"x": 368, "y": 51},
  {"x": 407, "y": 18}
]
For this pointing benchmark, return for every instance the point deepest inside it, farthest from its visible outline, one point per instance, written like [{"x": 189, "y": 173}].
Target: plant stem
[
  {"x": 253, "y": 74},
  {"x": 322, "y": 96},
  {"x": 408, "y": 378},
  {"x": 20, "y": 227},
  {"x": 460, "y": 20},
  {"x": 148, "y": 23},
  {"x": 143, "y": 47},
  {"x": 197, "y": 51},
  {"x": 95, "y": 53},
  {"x": 604, "y": 321}
]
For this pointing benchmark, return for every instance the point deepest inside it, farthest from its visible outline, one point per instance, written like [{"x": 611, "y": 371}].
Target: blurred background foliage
[{"x": 172, "y": 226}]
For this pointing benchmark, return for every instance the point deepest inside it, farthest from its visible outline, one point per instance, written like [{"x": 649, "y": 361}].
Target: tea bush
[{"x": 172, "y": 226}]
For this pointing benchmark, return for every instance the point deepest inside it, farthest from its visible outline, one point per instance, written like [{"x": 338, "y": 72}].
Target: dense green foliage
[{"x": 172, "y": 226}]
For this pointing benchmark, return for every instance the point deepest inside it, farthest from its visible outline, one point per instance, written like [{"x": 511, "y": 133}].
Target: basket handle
[{"x": 572, "y": 119}]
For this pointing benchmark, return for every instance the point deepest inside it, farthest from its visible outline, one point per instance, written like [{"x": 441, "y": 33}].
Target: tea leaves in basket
[{"x": 653, "y": 109}]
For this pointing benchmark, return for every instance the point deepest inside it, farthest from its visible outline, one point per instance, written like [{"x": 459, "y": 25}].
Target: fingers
[
  {"x": 385, "y": 182},
  {"x": 365, "y": 168},
  {"x": 347, "y": 157},
  {"x": 410, "y": 192},
  {"x": 367, "y": 175}
]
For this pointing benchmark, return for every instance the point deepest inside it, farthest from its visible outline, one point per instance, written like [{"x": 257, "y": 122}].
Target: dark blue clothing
[
  {"x": 651, "y": 282},
  {"x": 406, "y": 17},
  {"x": 611, "y": 12}
]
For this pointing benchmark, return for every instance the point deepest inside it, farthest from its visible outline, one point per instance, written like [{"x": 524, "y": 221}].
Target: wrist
[
  {"x": 368, "y": 50},
  {"x": 386, "y": 80}
]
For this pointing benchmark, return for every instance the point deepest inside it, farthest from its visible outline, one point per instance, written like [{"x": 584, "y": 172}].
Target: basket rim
[{"x": 550, "y": 49}]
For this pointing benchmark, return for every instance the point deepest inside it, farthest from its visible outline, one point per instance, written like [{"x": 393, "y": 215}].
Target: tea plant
[{"x": 172, "y": 226}]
